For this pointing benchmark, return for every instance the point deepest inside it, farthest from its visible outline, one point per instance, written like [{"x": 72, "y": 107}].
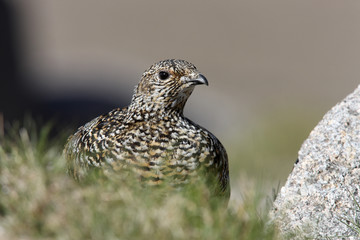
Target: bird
[{"x": 151, "y": 137}]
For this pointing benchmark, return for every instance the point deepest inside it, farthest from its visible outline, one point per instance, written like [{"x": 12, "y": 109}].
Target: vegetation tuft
[{"x": 38, "y": 200}]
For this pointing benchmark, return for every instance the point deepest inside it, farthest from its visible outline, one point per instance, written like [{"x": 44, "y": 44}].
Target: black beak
[{"x": 200, "y": 80}]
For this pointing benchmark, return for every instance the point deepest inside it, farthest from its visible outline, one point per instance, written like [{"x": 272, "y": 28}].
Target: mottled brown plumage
[{"x": 151, "y": 136}]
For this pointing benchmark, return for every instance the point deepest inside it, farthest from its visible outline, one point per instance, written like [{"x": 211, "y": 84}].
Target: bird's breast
[{"x": 165, "y": 149}]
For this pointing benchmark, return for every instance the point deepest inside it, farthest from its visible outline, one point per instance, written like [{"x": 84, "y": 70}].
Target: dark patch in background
[{"x": 16, "y": 101}]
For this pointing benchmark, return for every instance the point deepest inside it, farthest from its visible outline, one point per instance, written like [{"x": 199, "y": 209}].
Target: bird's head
[{"x": 168, "y": 84}]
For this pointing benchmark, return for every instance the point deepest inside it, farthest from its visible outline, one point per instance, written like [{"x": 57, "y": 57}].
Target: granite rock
[{"x": 321, "y": 198}]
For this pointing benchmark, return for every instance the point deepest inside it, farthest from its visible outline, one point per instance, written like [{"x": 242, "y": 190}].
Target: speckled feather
[{"x": 151, "y": 136}]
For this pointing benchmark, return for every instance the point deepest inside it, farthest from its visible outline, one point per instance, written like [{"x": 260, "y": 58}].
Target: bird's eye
[{"x": 163, "y": 75}]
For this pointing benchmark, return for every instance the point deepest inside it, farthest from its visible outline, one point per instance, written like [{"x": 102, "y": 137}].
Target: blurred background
[{"x": 274, "y": 67}]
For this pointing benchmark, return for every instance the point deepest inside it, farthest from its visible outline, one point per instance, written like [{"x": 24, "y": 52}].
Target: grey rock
[{"x": 321, "y": 197}]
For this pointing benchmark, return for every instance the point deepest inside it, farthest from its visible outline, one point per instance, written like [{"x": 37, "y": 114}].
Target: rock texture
[{"x": 321, "y": 198}]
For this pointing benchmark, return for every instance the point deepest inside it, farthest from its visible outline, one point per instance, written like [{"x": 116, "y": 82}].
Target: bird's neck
[{"x": 144, "y": 108}]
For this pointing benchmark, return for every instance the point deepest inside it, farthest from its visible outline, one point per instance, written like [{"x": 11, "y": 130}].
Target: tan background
[{"x": 276, "y": 60}]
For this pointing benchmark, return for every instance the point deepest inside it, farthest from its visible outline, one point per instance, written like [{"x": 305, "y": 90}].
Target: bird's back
[{"x": 86, "y": 148}]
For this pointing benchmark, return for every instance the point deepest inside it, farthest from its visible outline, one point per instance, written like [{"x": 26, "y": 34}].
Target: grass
[
  {"x": 38, "y": 200},
  {"x": 353, "y": 222}
]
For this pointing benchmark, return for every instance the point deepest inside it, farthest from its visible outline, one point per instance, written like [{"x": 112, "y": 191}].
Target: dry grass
[{"x": 39, "y": 201}]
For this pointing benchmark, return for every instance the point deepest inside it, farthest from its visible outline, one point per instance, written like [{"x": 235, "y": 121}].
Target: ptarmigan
[{"x": 151, "y": 136}]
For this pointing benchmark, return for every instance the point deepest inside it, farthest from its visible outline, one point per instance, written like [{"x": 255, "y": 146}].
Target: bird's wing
[
  {"x": 89, "y": 145},
  {"x": 74, "y": 149},
  {"x": 220, "y": 164}
]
